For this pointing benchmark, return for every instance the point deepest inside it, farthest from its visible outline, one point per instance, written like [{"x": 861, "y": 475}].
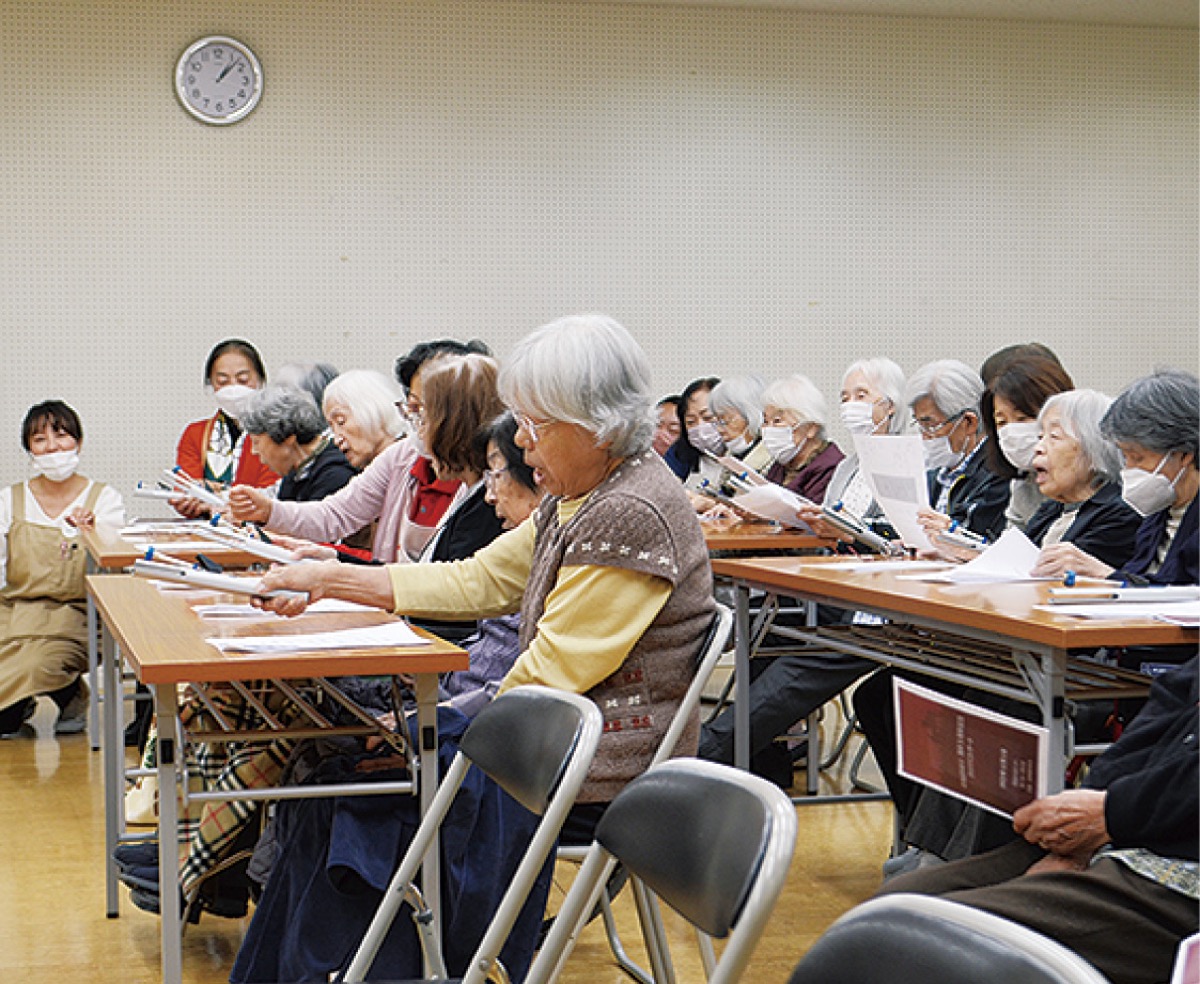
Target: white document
[
  {"x": 1184, "y": 613},
  {"x": 324, "y": 606},
  {"x": 773, "y": 501},
  {"x": 385, "y": 636},
  {"x": 1010, "y": 558},
  {"x": 887, "y": 565},
  {"x": 894, "y": 468}
]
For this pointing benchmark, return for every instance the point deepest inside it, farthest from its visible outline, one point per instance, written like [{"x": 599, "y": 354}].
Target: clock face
[{"x": 218, "y": 80}]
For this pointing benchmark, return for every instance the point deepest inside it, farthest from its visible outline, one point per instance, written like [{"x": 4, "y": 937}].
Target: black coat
[
  {"x": 1153, "y": 770},
  {"x": 322, "y": 476},
  {"x": 1182, "y": 563},
  {"x": 1105, "y": 525},
  {"x": 978, "y": 496}
]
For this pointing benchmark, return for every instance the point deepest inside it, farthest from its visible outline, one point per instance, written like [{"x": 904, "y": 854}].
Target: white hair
[
  {"x": 953, "y": 386},
  {"x": 1080, "y": 412},
  {"x": 742, "y": 394},
  {"x": 587, "y": 370},
  {"x": 798, "y": 394},
  {"x": 887, "y": 378},
  {"x": 370, "y": 397}
]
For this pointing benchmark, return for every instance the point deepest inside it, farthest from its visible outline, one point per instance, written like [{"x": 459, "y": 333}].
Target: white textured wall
[{"x": 746, "y": 189}]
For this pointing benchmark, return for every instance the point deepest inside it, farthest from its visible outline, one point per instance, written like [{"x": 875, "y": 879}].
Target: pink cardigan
[{"x": 380, "y": 493}]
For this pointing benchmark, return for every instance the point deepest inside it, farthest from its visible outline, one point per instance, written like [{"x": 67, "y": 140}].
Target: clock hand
[{"x": 228, "y": 68}]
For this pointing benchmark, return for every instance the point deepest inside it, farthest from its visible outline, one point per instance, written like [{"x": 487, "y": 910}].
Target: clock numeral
[
  {"x": 220, "y": 107},
  {"x": 245, "y": 80},
  {"x": 218, "y": 53},
  {"x": 196, "y": 66},
  {"x": 195, "y": 93},
  {"x": 191, "y": 80},
  {"x": 241, "y": 93}
]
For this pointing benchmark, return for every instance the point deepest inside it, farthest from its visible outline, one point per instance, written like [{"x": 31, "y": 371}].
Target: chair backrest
[
  {"x": 537, "y": 744},
  {"x": 915, "y": 939},
  {"x": 712, "y": 842},
  {"x": 524, "y": 742}
]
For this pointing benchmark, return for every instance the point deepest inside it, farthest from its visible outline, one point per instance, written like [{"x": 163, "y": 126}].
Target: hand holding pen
[{"x": 1061, "y": 559}]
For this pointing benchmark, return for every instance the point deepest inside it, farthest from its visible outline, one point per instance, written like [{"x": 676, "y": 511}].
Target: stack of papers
[
  {"x": 1010, "y": 558},
  {"x": 386, "y": 636},
  {"x": 774, "y": 502}
]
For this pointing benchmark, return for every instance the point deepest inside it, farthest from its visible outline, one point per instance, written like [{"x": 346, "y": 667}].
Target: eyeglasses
[
  {"x": 492, "y": 476},
  {"x": 533, "y": 428},
  {"x": 929, "y": 427}
]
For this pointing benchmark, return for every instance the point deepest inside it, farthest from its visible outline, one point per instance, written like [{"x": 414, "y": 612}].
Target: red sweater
[{"x": 193, "y": 447}]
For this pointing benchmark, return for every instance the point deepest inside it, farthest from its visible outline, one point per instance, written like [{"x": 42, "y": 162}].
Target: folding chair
[
  {"x": 913, "y": 939},
  {"x": 655, "y": 939},
  {"x": 711, "y": 841},
  {"x": 537, "y": 745}
]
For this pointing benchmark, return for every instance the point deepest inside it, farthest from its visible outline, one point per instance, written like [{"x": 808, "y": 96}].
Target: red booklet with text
[{"x": 994, "y": 761}]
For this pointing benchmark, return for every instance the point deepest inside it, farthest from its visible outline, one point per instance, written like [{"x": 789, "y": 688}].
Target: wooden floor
[{"x": 53, "y": 928}]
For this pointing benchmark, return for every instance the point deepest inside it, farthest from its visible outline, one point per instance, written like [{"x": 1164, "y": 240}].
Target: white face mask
[
  {"x": 738, "y": 445},
  {"x": 1148, "y": 492},
  {"x": 1018, "y": 441},
  {"x": 706, "y": 437},
  {"x": 417, "y": 441},
  {"x": 232, "y": 399},
  {"x": 939, "y": 454},
  {"x": 57, "y": 466},
  {"x": 778, "y": 442},
  {"x": 857, "y": 417}
]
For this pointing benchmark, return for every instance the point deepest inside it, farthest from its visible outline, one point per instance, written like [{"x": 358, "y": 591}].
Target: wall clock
[{"x": 218, "y": 80}]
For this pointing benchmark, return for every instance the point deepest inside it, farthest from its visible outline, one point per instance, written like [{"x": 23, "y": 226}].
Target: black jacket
[
  {"x": 1105, "y": 526},
  {"x": 322, "y": 476},
  {"x": 978, "y": 496},
  {"x": 1182, "y": 563},
  {"x": 1152, "y": 772}
]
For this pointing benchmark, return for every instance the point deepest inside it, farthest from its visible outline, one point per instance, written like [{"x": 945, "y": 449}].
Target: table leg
[
  {"x": 167, "y": 712},
  {"x": 1053, "y": 700},
  {"x": 114, "y": 769},
  {"x": 93, "y": 718},
  {"x": 741, "y": 677},
  {"x": 431, "y": 880}
]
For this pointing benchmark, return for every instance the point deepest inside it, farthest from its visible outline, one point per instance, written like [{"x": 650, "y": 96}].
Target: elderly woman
[
  {"x": 400, "y": 491},
  {"x": 794, "y": 421},
  {"x": 610, "y": 574},
  {"x": 1155, "y": 424},
  {"x": 287, "y": 433},
  {"x": 213, "y": 450},
  {"x": 1015, "y": 394},
  {"x": 944, "y": 398},
  {"x": 43, "y": 628},
  {"x": 737, "y": 409},
  {"x": 1077, "y": 469}
]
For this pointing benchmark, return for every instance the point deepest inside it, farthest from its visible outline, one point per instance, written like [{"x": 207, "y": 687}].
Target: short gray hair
[
  {"x": 1159, "y": 412},
  {"x": 888, "y": 378},
  {"x": 953, "y": 386},
  {"x": 743, "y": 395},
  {"x": 312, "y": 377},
  {"x": 799, "y": 395},
  {"x": 370, "y": 398},
  {"x": 1081, "y": 411},
  {"x": 281, "y": 412},
  {"x": 586, "y": 370}
]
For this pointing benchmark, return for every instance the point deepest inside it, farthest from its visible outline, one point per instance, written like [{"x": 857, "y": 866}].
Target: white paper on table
[
  {"x": 324, "y": 606},
  {"x": 773, "y": 501},
  {"x": 894, "y": 468},
  {"x": 887, "y": 565},
  {"x": 1010, "y": 558},
  {"x": 382, "y": 636},
  {"x": 1177, "y": 612}
]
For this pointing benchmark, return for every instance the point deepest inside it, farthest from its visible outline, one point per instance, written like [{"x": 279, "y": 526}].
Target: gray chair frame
[
  {"x": 721, "y": 863},
  {"x": 649, "y": 918},
  {"x": 537, "y": 744},
  {"x": 913, "y": 939}
]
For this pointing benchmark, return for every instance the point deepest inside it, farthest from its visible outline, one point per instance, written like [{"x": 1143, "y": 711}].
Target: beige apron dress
[{"x": 43, "y": 613}]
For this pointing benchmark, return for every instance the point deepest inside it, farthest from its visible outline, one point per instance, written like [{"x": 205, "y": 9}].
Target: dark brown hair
[
  {"x": 57, "y": 414},
  {"x": 1027, "y": 382},
  {"x": 461, "y": 400}
]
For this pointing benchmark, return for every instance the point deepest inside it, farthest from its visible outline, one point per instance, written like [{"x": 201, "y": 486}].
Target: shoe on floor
[
  {"x": 139, "y": 854},
  {"x": 72, "y": 719},
  {"x": 148, "y": 901}
]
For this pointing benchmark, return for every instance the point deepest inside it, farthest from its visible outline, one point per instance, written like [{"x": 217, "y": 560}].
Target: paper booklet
[
  {"x": 207, "y": 580},
  {"x": 385, "y": 636},
  {"x": 1009, "y": 559},
  {"x": 894, "y": 468},
  {"x": 774, "y": 502},
  {"x": 994, "y": 761}
]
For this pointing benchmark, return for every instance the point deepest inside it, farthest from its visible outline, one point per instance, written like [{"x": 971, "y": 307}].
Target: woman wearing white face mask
[
  {"x": 737, "y": 408},
  {"x": 944, "y": 397},
  {"x": 1156, "y": 426},
  {"x": 43, "y": 626},
  {"x": 215, "y": 451},
  {"x": 1017, "y": 390},
  {"x": 794, "y": 418}
]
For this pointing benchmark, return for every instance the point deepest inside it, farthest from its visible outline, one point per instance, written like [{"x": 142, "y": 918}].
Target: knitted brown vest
[{"x": 638, "y": 518}]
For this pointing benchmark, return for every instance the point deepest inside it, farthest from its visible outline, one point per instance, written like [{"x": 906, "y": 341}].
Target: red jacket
[{"x": 193, "y": 447}]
